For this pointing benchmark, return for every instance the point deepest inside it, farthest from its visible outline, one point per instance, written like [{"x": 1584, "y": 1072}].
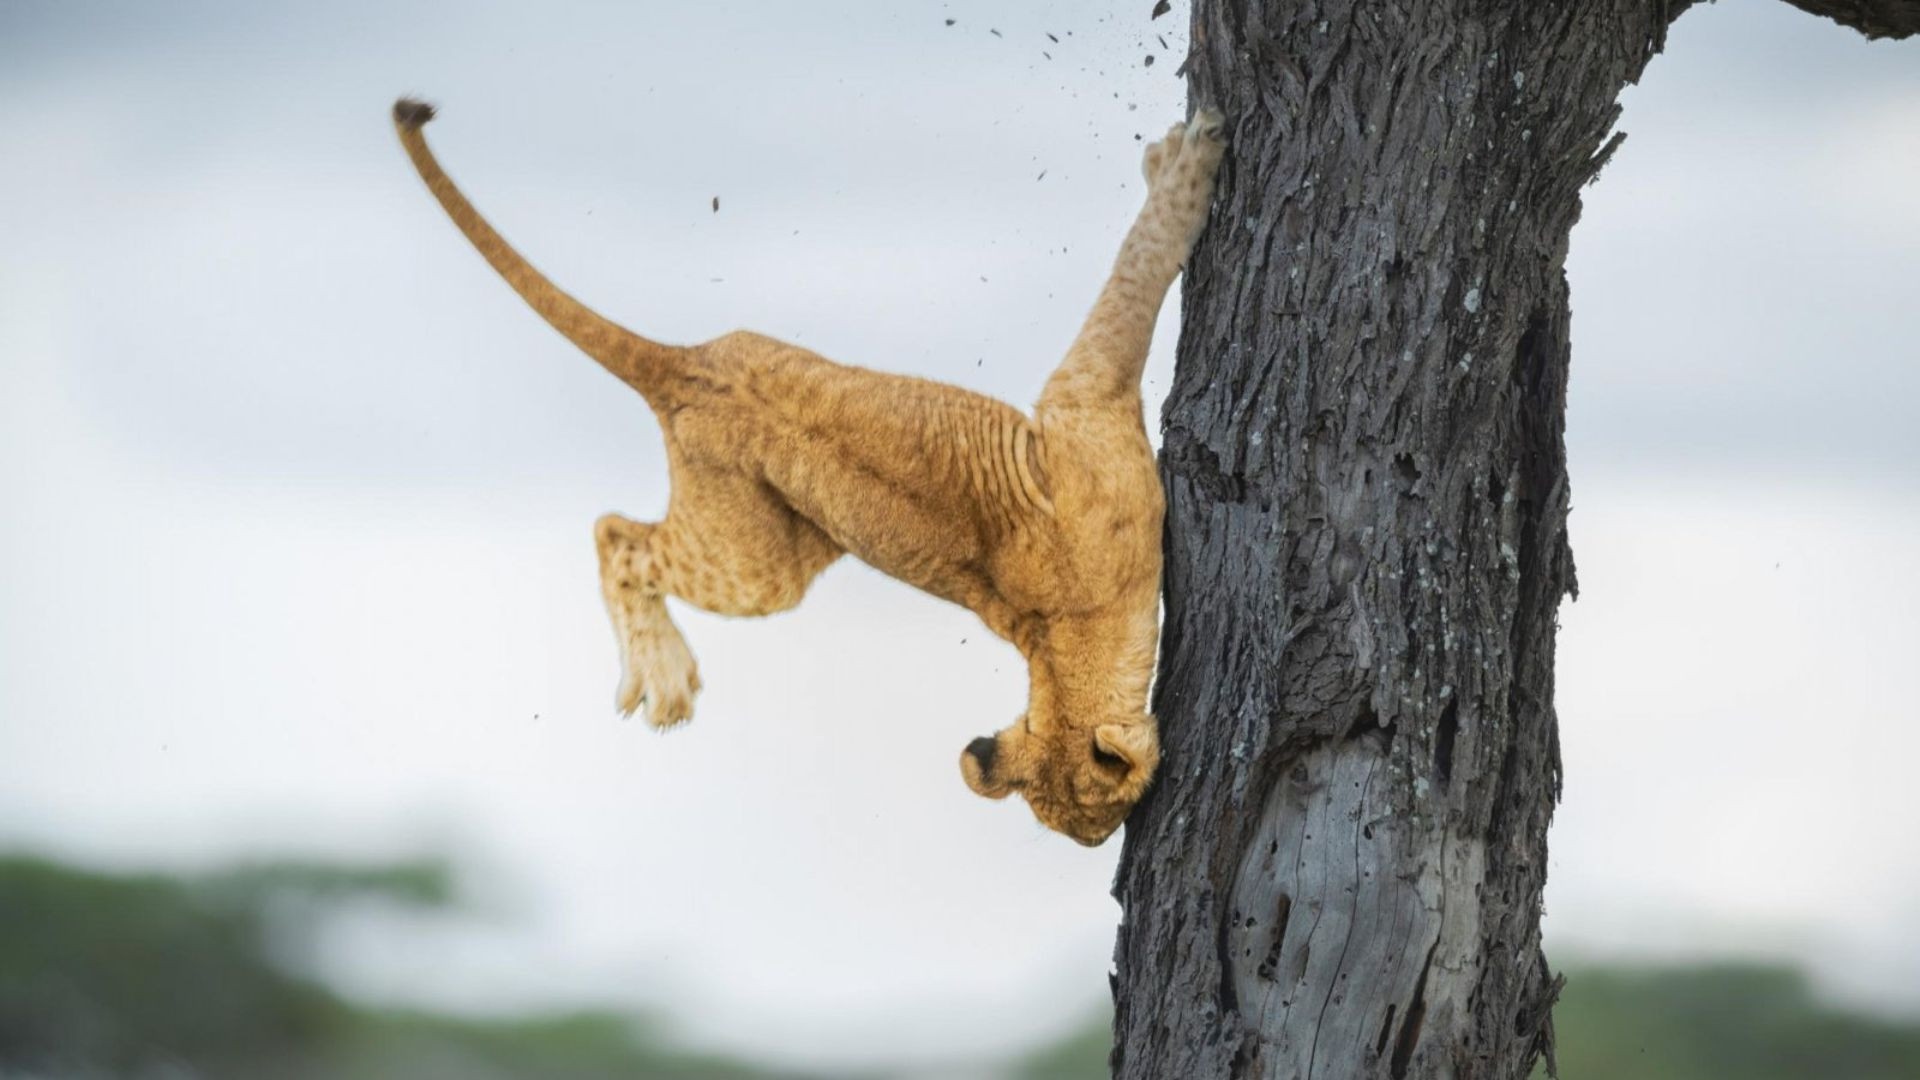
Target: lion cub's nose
[{"x": 983, "y": 749}]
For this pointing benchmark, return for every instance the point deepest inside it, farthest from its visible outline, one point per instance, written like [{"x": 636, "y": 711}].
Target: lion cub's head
[{"x": 1079, "y": 781}]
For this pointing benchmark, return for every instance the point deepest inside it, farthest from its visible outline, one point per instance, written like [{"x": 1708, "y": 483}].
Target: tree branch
[{"x": 1874, "y": 18}]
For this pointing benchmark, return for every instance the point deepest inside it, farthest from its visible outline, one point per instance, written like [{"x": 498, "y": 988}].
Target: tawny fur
[{"x": 1046, "y": 527}]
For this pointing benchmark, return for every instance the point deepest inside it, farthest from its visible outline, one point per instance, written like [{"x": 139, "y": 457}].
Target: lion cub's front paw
[
  {"x": 1200, "y": 151},
  {"x": 1188, "y": 152},
  {"x": 1186, "y": 182},
  {"x": 1162, "y": 153},
  {"x": 1209, "y": 125}
]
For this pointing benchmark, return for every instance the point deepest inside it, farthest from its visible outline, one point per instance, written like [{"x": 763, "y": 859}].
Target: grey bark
[{"x": 1339, "y": 870}]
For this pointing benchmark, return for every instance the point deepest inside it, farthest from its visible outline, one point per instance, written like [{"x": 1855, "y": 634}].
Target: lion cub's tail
[{"x": 645, "y": 365}]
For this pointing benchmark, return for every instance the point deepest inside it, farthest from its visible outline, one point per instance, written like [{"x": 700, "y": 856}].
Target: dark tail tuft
[{"x": 410, "y": 113}]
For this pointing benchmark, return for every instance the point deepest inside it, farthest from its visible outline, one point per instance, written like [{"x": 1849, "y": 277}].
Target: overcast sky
[{"x": 296, "y": 552}]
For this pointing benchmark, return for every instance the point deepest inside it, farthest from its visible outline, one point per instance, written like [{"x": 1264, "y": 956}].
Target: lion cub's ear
[{"x": 1137, "y": 744}]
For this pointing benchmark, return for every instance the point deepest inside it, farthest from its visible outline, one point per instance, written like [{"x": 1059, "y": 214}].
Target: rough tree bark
[{"x": 1338, "y": 873}]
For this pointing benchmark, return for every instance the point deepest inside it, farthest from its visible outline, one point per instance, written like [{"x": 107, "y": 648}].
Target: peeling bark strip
[{"x": 1338, "y": 873}]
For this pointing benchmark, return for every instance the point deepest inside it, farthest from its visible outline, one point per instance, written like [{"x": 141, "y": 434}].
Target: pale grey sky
[{"x": 297, "y": 547}]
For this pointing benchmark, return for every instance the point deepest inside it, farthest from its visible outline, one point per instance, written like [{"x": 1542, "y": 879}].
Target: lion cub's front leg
[
  {"x": 1179, "y": 171},
  {"x": 1106, "y": 360}
]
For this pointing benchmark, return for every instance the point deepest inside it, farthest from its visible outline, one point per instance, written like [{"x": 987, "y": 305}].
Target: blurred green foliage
[
  {"x": 153, "y": 976},
  {"x": 1712, "y": 1023},
  {"x": 144, "y": 975},
  {"x": 1719, "y": 1022}
]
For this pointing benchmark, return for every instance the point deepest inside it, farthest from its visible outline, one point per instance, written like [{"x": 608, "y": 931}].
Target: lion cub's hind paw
[{"x": 662, "y": 677}]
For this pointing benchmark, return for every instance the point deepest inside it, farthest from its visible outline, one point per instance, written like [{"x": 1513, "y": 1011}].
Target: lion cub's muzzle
[
  {"x": 976, "y": 767},
  {"x": 983, "y": 750}
]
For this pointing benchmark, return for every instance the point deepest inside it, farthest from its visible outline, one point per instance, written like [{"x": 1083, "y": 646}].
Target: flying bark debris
[
  {"x": 1042, "y": 176},
  {"x": 1161, "y": 40},
  {"x": 1053, "y": 39},
  {"x": 1160, "y": 9},
  {"x": 1149, "y": 59},
  {"x": 716, "y": 204},
  {"x": 950, "y": 22},
  {"x": 994, "y": 32}
]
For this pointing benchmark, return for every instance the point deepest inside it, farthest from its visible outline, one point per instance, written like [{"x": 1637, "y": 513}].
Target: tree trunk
[{"x": 1338, "y": 872}]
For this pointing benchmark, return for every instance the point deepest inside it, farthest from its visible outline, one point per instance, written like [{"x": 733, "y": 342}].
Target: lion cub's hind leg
[
  {"x": 656, "y": 667},
  {"x": 728, "y": 545}
]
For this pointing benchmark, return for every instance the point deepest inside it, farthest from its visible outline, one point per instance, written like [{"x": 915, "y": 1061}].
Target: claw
[
  {"x": 628, "y": 697},
  {"x": 1208, "y": 124}
]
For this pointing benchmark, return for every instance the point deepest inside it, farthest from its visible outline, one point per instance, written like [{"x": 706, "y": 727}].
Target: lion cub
[{"x": 1047, "y": 528}]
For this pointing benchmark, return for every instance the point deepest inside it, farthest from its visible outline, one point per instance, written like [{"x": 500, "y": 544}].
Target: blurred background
[{"x": 308, "y": 759}]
